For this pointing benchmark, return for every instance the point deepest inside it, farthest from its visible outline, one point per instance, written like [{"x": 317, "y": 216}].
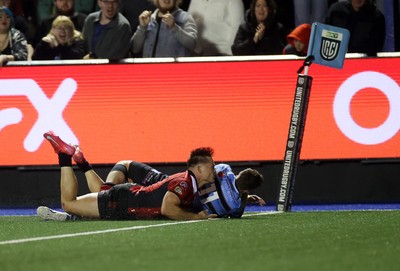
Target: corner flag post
[
  {"x": 328, "y": 46},
  {"x": 294, "y": 140}
]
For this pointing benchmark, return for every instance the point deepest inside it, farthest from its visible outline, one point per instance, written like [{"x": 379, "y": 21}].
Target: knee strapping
[{"x": 121, "y": 168}]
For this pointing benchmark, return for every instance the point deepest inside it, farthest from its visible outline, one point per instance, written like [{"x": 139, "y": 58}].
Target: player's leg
[
  {"x": 144, "y": 174},
  {"x": 84, "y": 206},
  {"x": 134, "y": 172},
  {"x": 119, "y": 173},
  {"x": 93, "y": 180}
]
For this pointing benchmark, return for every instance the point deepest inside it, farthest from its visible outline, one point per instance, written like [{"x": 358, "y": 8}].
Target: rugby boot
[
  {"x": 49, "y": 214},
  {"x": 58, "y": 144},
  {"x": 78, "y": 156}
]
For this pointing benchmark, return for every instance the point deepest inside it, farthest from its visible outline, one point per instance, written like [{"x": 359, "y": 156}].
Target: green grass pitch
[{"x": 342, "y": 240}]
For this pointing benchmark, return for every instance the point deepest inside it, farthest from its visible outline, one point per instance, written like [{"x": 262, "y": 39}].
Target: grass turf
[{"x": 347, "y": 240}]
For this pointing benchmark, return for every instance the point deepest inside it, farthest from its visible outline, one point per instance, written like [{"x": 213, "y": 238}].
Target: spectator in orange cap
[{"x": 298, "y": 41}]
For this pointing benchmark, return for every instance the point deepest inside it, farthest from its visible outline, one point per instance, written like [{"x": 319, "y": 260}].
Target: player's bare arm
[
  {"x": 255, "y": 199},
  {"x": 171, "y": 208}
]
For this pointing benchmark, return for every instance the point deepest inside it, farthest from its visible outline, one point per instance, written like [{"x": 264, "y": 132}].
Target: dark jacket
[
  {"x": 43, "y": 51},
  {"x": 18, "y": 46},
  {"x": 366, "y": 26},
  {"x": 114, "y": 41},
  {"x": 272, "y": 43}
]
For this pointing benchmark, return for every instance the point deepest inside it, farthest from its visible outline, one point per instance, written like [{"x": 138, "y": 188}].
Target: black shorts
[
  {"x": 141, "y": 173},
  {"x": 131, "y": 201},
  {"x": 113, "y": 203}
]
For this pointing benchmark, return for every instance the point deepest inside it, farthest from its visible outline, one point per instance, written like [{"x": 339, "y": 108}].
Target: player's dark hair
[
  {"x": 200, "y": 155},
  {"x": 249, "y": 179}
]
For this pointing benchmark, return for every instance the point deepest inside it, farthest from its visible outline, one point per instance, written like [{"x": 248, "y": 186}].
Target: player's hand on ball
[{"x": 204, "y": 215}]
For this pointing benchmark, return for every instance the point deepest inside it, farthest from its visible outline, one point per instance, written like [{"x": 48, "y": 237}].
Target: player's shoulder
[
  {"x": 222, "y": 167},
  {"x": 181, "y": 177},
  {"x": 181, "y": 184}
]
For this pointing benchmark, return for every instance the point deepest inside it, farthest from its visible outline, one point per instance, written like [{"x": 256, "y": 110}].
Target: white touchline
[{"x": 26, "y": 240}]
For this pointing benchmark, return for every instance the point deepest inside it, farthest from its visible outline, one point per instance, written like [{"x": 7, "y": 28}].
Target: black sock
[
  {"x": 64, "y": 160},
  {"x": 85, "y": 166}
]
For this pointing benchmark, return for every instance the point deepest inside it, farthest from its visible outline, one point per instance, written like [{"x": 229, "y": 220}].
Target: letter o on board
[{"x": 341, "y": 108}]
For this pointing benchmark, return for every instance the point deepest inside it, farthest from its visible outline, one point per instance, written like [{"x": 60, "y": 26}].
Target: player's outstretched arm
[
  {"x": 171, "y": 208},
  {"x": 251, "y": 199}
]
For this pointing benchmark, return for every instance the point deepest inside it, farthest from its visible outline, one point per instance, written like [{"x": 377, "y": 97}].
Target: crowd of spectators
[{"x": 116, "y": 29}]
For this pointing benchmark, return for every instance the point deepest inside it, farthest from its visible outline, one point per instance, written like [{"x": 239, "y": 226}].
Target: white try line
[{"x": 61, "y": 236}]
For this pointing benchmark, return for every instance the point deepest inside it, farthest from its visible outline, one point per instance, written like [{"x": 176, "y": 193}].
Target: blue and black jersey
[{"x": 222, "y": 197}]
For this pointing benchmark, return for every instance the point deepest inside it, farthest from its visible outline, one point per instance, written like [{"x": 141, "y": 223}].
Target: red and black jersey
[
  {"x": 133, "y": 201},
  {"x": 184, "y": 186}
]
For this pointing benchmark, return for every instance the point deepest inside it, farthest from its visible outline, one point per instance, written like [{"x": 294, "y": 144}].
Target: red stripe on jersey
[{"x": 147, "y": 189}]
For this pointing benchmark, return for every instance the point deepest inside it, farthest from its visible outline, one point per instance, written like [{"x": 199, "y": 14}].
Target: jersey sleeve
[
  {"x": 183, "y": 189},
  {"x": 224, "y": 199}
]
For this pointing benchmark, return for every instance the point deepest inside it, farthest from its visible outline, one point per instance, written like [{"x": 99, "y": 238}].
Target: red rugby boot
[
  {"x": 78, "y": 156},
  {"x": 58, "y": 144}
]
